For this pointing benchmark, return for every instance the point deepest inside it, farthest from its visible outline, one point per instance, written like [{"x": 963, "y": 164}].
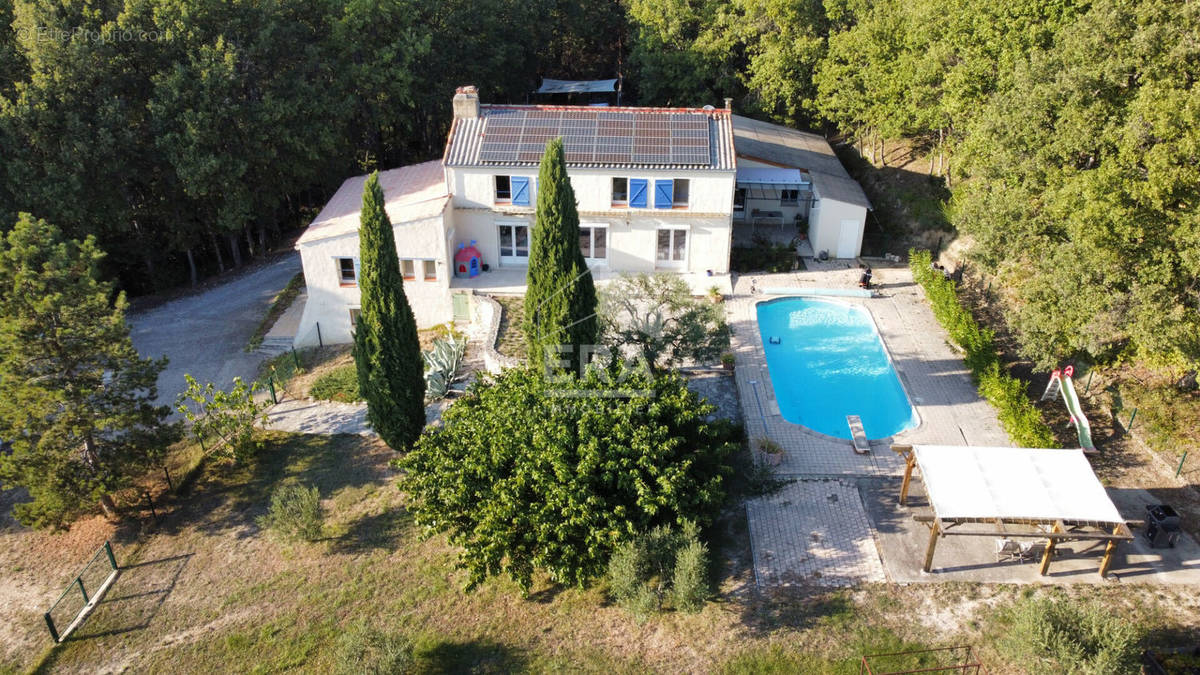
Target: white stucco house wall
[{"x": 658, "y": 189}]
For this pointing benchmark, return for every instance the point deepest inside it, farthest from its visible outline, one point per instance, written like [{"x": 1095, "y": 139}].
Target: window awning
[
  {"x": 965, "y": 482},
  {"x": 550, "y": 86}
]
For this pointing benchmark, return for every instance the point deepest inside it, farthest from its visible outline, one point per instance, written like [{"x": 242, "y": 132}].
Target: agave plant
[{"x": 441, "y": 364}]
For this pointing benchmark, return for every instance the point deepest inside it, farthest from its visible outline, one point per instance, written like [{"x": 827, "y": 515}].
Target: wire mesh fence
[{"x": 82, "y": 594}]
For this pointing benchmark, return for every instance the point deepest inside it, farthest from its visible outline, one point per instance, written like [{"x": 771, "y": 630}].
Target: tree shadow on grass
[
  {"x": 374, "y": 532},
  {"x": 234, "y": 496},
  {"x": 795, "y": 608},
  {"x": 475, "y": 656}
]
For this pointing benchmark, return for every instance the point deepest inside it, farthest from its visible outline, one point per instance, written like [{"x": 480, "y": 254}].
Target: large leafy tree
[
  {"x": 527, "y": 474},
  {"x": 78, "y": 400},
  {"x": 560, "y": 300},
  {"x": 387, "y": 352}
]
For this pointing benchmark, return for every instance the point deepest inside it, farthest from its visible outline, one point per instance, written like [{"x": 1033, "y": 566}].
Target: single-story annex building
[{"x": 658, "y": 189}]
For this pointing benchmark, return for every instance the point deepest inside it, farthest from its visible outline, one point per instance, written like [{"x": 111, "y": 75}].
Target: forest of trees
[{"x": 1068, "y": 131}]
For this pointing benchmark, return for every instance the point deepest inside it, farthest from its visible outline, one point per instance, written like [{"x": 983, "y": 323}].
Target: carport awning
[{"x": 1013, "y": 484}]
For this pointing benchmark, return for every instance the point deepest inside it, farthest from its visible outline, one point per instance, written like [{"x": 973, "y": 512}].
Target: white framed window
[
  {"x": 681, "y": 192},
  {"x": 430, "y": 269},
  {"x": 514, "y": 242},
  {"x": 593, "y": 242},
  {"x": 671, "y": 248},
  {"x": 354, "y": 314},
  {"x": 620, "y": 191},
  {"x": 347, "y": 270},
  {"x": 408, "y": 269},
  {"x": 789, "y": 197}
]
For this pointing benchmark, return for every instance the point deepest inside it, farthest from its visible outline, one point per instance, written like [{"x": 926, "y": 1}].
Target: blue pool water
[{"x": 830, "y": 363}]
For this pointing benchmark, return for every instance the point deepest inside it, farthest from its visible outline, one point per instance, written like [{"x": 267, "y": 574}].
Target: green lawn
[{"x": 207, "y": 591}]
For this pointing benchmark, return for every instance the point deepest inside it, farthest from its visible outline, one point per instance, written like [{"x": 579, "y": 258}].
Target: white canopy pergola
[{"x": 1052, "y": 492}]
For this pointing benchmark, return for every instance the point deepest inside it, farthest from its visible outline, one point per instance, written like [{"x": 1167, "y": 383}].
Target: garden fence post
[
  {"x": 1088, "y": 386},
  {"x": 296, "y": 358},
  {"x": 112, "y": 560},
  {"x": 50, "y": 625},
  {"x": 1181, "y": 461},
  {"x": 320, "y": 342},
  {"x": 167, "y": 473},
  {"x": 1132, "y": 417},
  {"x": 271, "y": 384},
  {"x": 79, "y": 582}
]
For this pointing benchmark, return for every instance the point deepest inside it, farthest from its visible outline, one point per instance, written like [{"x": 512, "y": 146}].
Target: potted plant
[
  {"x": 727, "y": 360},
  {"x": 771, "y": 451},
  {"x": 714, "y": 295}
]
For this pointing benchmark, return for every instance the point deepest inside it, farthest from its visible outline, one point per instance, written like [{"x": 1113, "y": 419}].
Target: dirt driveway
[{"x": 205, "y": 334}]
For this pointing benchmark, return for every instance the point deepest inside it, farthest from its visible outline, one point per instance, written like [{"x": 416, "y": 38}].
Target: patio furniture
[
  {"x": 1008, "y": 549},
  {"x": 767, "y": 217}
]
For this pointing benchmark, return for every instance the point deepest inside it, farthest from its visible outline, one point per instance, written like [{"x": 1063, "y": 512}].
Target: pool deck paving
[{"x": 837, "y": 521}]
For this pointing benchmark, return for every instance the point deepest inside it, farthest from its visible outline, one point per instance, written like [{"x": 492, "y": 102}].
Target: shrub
[
  {"x": 1020, "y": 418},
  {"x": 689, "y": 584},
  {"x": 294, "y": 513},
  {"x": 665, "y": 563},
  {"x": 529, "y": 472},
  {"x": 1062, "y": 636},
  {"x": 364, "y": 649},
  {"x": 226, "y": 417},
  {"x": 339, "y": 384}
]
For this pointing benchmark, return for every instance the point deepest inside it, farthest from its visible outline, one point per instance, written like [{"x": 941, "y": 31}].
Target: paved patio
[{"x": 940, "y": 388}]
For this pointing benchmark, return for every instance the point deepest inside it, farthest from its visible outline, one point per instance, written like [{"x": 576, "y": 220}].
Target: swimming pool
[{"x": 829, "y": 362}]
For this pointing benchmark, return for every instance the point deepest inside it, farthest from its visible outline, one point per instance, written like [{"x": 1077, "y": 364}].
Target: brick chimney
[{"x": 466, "y": 102}]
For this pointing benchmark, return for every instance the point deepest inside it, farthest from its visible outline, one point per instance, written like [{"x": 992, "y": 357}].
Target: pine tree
[
  {"x": 78, "y": 401},
  {"x": 387, "y": 352},
  {"x": 560, "y": 298}
]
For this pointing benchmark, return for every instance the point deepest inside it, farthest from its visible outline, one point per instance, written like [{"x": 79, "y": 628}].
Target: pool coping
[{"x": 887, "y": 352}]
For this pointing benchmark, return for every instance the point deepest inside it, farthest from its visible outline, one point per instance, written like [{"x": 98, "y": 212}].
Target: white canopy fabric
[
  {"x": 550, "y": 86},
  {"x": 1019, "y": 483}
]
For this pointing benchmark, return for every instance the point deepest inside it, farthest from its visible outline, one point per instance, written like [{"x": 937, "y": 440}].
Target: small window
[
  {"x": 739, "y": 199},
  {"x": 503, "y": 189},
  {"x": 354, "y": 314},
  {"x": 789, "y": 197},
  {"x": 681, "y": 192},
  {"x": 347, "y": 275},
  {"x": 430, "y": 270},
  {"x": 408, "y": 269},
  {"x": 620, "y": 191}
]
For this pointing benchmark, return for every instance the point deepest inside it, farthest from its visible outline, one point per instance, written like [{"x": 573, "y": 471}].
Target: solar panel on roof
[{"x": 597, "y": 136}]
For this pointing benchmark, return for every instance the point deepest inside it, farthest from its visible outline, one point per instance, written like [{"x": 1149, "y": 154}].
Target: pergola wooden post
[
  {"x": 934, "y": 532},
  {"x": 1058, "y": 528},
  {"x": 910, "y": 461},
  {"x": 1120, "y": 529}
]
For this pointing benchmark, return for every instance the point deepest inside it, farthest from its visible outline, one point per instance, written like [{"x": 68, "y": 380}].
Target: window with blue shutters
[
  {"x": 638, "y": 197},
  {"x": 664, "y": 194},
  {"x": 520, "y": 190}
]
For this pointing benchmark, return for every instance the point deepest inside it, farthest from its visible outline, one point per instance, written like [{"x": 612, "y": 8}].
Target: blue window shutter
[
  {"x": 637, "y": 193},
  {"x": 664, "y": 193},
  {"x": 520, "y": 191}
]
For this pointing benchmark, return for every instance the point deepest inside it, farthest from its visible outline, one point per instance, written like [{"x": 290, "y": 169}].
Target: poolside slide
[{"x": 1060, "y": 380}]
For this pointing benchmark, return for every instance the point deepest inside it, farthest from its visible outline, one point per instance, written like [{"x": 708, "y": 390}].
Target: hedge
[{"x": 1007, "y": 394}]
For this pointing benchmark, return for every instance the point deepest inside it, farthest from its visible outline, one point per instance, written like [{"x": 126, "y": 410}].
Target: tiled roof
[
  {"x": 464, "y": 147},
  {"x": 800, "y": 150},
  {"x": 410, "y": 193}
]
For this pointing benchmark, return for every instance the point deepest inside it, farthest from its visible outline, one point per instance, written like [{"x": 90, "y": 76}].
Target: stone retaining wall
[{"x": 487, "y": 312}]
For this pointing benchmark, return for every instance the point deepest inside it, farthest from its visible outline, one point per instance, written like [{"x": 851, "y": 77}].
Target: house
[{"x": 658, "y": 189}]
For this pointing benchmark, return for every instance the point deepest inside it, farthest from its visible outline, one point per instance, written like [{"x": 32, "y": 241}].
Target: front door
[
  {"x": 847, "y": 246},
  {"x": 514, "y": 244}
]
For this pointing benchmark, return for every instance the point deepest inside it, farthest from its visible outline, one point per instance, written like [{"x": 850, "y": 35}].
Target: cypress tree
[
  {"x": 387, "y": 352},
  {"x": 560, "y": 298}
]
